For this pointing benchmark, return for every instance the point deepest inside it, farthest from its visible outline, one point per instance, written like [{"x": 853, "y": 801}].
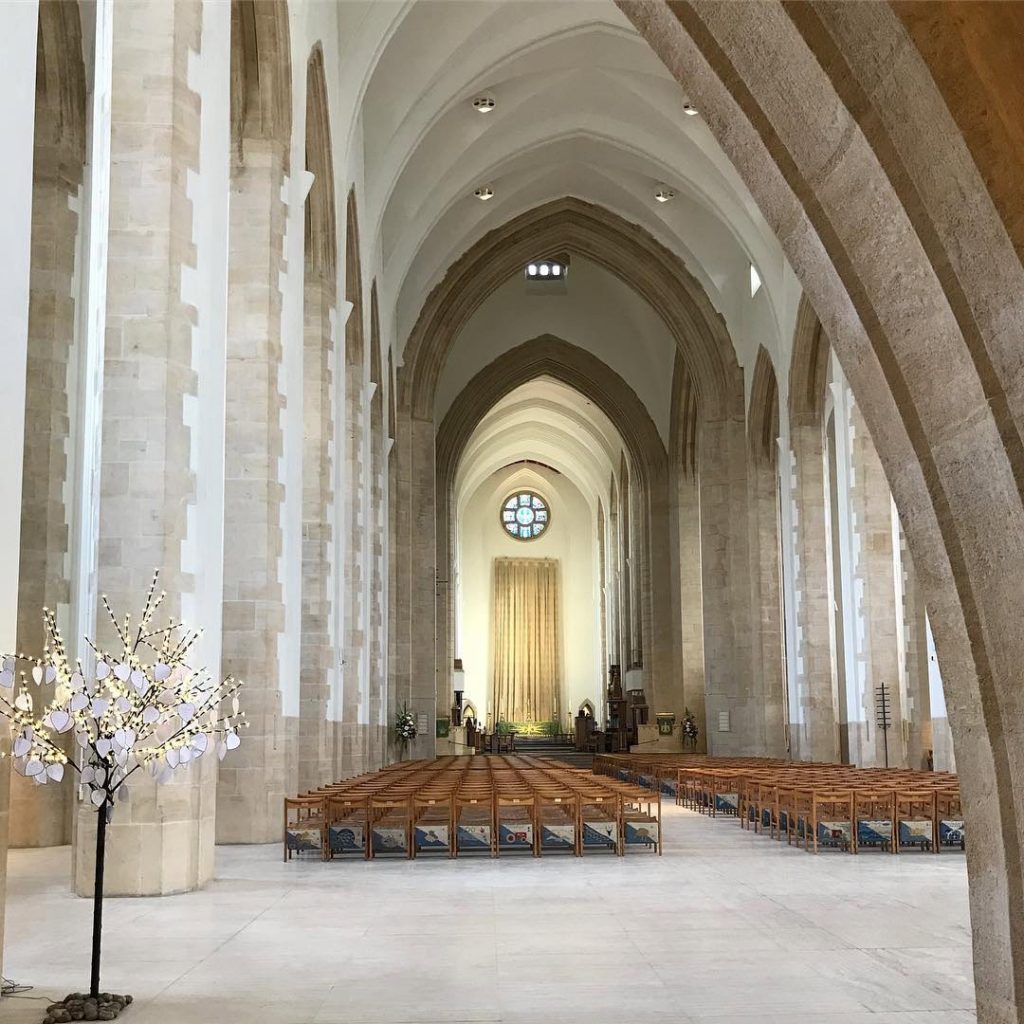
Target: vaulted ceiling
[{"x": 583, "y": 108}]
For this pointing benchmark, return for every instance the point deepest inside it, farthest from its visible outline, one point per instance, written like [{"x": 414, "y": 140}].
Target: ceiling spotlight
[
  {"x": 483, "y": 104},
  {"x": 690, "y": 110},
  {"x": 664, "y": 194},
  {"x": 484, "y": 192}
]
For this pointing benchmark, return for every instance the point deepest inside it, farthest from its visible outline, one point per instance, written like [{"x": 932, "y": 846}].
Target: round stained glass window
[{"x": 525, "y": 515}]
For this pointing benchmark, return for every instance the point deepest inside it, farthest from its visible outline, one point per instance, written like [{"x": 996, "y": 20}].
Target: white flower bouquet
[{"x": 405, "y": 725}]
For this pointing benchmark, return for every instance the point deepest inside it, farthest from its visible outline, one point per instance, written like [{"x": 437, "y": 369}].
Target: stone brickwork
[
  {"x": 161, "y": 841},
  {"x": 377, "y": 646},
  {"x": 251, "y": 784},
  {"x": 879, "y": 652},
  {"x": 818, "y": 737},
  {"x": 766, "y": 610},
  {"x": 733, "y": 709},
  {"x": 907, "y": 243},
  {"x": 916, "y": 700},
  {"x": 41, "y": 815},
  {"x": 316, "y": 734},
  {"x": 376, "y": 553},
  {"x": 355, "y": 700},
  {"x": 691, "y": 603}
]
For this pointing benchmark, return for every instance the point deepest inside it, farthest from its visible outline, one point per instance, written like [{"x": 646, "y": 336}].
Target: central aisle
[{"x": 725, "y": 927}]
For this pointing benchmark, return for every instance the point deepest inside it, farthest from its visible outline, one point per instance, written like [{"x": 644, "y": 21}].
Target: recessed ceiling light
[
  {"x": 664, "y": 194},
  {"x": 690, "y": 110},
  {"x": 483, "y": 104},
  {"x": 484, "y": 192}
]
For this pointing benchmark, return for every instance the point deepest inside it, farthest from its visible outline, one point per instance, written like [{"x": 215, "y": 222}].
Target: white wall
[{"x": 572, "y": 539}]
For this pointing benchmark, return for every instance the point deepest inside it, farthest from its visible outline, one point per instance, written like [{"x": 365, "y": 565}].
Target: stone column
[
  {"x": 734, "y": 721},
  {"x": 356, "y": 699},
  {"x": 691, "y": 600},
  {"x": 251, "y": 784},
  {"x": 397, "y": 629},
  {"x": 661, "y": 639},
  {"x": 917, "y": 727},
  {"x": 815, "y": 627},
  {"x": 17, "y": 83},
  {"x": 161, "y": 484},
  {"x": 40, "y": 815},
  {"x": 879, "y": 653},
  {"x": 766, "y": 608},
  {"x": 316, "y": 734},
  {"x": 376, "y": 553},
  {"x": 637, "y": 545},
  {"x": 413, "y": 669}
]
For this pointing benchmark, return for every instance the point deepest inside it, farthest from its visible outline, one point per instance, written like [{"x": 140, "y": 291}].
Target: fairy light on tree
[{"x": 145, "y": 707}]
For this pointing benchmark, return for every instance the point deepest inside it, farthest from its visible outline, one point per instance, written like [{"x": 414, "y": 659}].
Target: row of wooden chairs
[
  {"x": 486, "y": 804},
  {"x": 813, "y": 805}
]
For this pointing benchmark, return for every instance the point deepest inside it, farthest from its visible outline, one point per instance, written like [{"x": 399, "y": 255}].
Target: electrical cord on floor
[{"x": 12, "y": 988}]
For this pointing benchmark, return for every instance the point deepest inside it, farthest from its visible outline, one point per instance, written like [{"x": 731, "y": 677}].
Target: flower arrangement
[
  {"x": 405, "y": 725},
  {"x": 690, "y": 730},
  {"x": 142, "y": 707}
]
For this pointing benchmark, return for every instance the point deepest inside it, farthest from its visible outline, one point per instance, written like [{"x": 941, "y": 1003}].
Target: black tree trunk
[{"x": 97, "y": 898}]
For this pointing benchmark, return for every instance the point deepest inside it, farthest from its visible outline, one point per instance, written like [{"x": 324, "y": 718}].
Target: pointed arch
[
  {"x": 621, "y": 247},
  {"x": 549, "y": 356},
  {"x": 808, "y": 368},
  {"x": 914, "y": 298},
  {"x": 763, "y": 418},
  {"x": 261, "y": 73},
  {"x": 353, "y": 283},
  {"x": 321, "y": 221}
]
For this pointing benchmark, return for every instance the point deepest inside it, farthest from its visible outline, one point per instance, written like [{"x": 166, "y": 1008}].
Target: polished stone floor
[{"x": 725, "y": 927}]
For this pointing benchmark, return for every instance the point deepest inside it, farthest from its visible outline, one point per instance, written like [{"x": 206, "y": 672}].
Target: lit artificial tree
[{"x": 143, "y": 707}]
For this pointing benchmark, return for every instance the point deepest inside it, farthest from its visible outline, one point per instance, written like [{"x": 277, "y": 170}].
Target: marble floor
[{"x": 725, "y": 927}]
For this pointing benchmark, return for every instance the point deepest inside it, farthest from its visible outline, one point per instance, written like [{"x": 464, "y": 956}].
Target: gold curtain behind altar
[{"x": 526, "y": 640}]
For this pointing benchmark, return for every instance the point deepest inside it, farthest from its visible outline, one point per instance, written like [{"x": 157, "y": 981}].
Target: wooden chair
[
  {"x": 474, "y": 819},
  {"x": 433, "y": 825},
  {"x": 515, "y": 819},
  {"x": 304, "y": 818},
  {"x": 390, "y": 827},
  {"x": 557, "y": 819},
  {"x": 347, "y": 825}
]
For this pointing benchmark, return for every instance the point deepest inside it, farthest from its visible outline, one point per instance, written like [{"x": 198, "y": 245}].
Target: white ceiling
[
  {"x": 543, "y": 421},
  {"x": 584, "y": 108}
]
